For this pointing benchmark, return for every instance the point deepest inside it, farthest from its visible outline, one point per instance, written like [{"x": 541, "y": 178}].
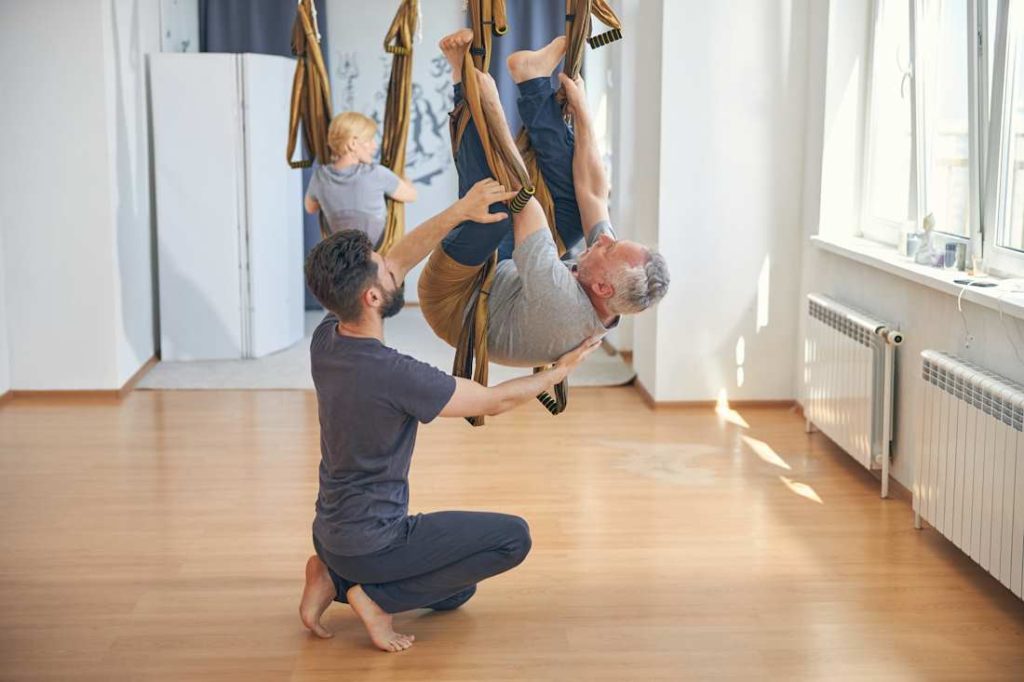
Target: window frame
[
  {"x": 1000, "y": 260},
  {"x": 874, "y": 228}
]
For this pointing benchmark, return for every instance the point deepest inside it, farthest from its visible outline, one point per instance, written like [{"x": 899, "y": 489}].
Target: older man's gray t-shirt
[
  {"x": 538, "y": 311},
  {"x": 352, "y": 198},
  {"x": 371, "y": 399}
]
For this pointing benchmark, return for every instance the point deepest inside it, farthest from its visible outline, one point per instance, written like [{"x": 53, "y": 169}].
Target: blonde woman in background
[{"x": 351, "y": 189}]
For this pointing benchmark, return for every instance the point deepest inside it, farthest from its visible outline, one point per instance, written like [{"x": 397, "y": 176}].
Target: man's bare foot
[
  {"x": 527, "y": 64},
  {"x": 377, "y": 622},
  {"x": 454, "y": 48},
  {"x": 317, "y": 595}
]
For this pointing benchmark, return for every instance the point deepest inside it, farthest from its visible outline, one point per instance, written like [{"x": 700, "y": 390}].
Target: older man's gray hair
[{"x": 637, "y": 289}]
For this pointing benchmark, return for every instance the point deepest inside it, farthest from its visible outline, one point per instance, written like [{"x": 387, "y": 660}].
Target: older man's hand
[{"x": 575, "y": 95}]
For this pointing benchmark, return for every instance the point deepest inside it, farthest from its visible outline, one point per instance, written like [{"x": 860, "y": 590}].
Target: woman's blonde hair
[{"x": 347, "y": 127}]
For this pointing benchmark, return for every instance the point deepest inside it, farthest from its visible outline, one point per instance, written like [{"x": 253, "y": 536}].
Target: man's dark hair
[{"x": 339, "y": 269}]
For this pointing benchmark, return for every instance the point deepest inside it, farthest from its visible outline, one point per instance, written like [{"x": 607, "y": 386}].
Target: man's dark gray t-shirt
[{"x": 371, "y": 400}]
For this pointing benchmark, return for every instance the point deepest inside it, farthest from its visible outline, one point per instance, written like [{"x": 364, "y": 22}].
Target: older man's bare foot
[
  {"x": 377, "y": 622},
  {"x": 527, "y": 64},
  {"x": 454, "y": 48},
  {"x": 317, "y": 595}
]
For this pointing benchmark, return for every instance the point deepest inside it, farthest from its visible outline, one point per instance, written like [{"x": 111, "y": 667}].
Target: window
[
  {"x": 945, "y": 98},
  {"x": 1004, "y": 216},
  {"x": 944, "y": 131},
  {"x": 919, "y": 125},
  {"x": 889, "y": 174}
]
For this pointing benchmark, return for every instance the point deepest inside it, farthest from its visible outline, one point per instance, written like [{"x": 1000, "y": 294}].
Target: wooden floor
[{"x": 164, "y": 537}]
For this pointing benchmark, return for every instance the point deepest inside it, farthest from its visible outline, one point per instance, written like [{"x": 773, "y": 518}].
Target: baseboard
[
  {"x": 706, "y": 404},
  {"x": 73, "y": 394},
  {"x": 109, "y": 394},
  {"x": 644, "y": 394},
  {"x": 129, "y": 385}
]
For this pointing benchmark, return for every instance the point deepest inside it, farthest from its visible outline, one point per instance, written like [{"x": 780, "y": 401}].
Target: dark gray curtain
[
  {"x": 262, "y": 27},
  {"x": 531, "y": 24}
]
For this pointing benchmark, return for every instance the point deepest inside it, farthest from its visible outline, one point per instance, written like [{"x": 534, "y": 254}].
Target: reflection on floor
[{"x": 408, "y": 332}]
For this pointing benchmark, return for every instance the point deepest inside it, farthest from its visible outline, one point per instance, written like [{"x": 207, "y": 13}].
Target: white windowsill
[{"x": 1007, "y": 296}]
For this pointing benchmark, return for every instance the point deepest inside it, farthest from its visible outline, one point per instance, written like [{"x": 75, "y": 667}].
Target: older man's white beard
[{"x": 584, "y": 273}]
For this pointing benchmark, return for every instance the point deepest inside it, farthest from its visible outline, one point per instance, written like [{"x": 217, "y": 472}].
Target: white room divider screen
[{"x": 229, "y": 209}]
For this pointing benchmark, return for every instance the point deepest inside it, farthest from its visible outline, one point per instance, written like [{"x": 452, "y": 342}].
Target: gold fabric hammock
[
  {"x": 311, "y": 90},
  {"x": 398, "y": 43},
  {"x": 447, "y": 287},
  {"x": 578, "y": 25},
  {"x": 311, "y": 95}
]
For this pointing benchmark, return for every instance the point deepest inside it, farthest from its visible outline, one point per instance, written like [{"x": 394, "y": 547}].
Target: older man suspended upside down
[{"x": 539, "y": 306}]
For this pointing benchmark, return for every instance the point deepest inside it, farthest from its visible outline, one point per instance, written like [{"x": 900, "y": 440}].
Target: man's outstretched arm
[
  {"x": 417, "y": 245},
  {"x": 587, "y": 169},
  {"x": 471, "y": 399}
]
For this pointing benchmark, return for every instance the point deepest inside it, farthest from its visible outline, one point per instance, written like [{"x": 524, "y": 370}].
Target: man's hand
[
  {"x": 568, "y": 362},
  {"x": 470, "y": 398},
  {"x": 418, "y": 244},
  {"x": 575, "y": 95},
  {"x": 474, "y": 206}
]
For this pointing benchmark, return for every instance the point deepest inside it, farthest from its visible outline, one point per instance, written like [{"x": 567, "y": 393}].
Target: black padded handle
[
  {"x": 520, "y": 200},
  {"x": 604, "y": 38}
]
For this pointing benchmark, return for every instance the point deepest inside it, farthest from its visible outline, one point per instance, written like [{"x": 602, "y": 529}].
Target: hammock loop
[
  {"x": 311, "y": 90},
  {"x": 395, "y": 134}
]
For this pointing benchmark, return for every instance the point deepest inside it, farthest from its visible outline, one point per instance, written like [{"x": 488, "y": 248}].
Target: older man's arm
[{"x": 587, "y": 169}]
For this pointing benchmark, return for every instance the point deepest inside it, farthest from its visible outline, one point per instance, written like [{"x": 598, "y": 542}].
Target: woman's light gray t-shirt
[
  {"x": 538, "y": 311},
  {"x": 352, "y": 198}
]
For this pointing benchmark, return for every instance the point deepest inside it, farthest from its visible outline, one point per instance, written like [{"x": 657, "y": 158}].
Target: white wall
[
  {"x": 74, "y": 188},
  {"x": 603, "y": 70},
  {"x": 359, "y": 78},
  {"x": 929, "y": 318},
  {"x": 179, "y": 25},
  {"x": 132, "y": 32},
  {"x": 726, "y": 158},
  {"x": 636, "y": 175}
]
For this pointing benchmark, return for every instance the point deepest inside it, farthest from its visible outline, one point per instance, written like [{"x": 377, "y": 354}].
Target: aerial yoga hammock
[
  {"x": 311, "y": 102},
  {"x": 453, "y": 297}
]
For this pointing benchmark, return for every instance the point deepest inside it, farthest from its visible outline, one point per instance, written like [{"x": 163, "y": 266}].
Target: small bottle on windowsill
[{"x": 909, "y": 239}]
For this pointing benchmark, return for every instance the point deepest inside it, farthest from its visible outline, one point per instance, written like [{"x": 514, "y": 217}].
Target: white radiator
[
  {"x": 969, "y": 482},
  {"x": 848, "y": 375}
]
